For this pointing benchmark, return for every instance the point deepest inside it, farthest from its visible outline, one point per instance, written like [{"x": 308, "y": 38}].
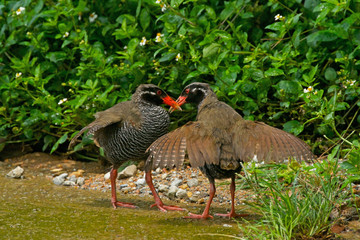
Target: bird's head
[
  {"x": 194, "y": 93},
  {"x": 153, "y": 94}
]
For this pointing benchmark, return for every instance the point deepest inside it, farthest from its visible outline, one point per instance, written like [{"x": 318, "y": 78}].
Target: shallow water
[{"x": 35, "y": 208}]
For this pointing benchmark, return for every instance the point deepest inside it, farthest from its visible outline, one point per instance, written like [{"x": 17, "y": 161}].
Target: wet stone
[
  {"x": 80, "y": 181},
  {"x": 163, "y": 188},
  {"x": 172, "y": 192},
  {"x": 69, "y": 183},
  {"x": 16, "y": 172},
  {"x": 181, "y": 193},
  {"x": 140, "y": 182},
  {"x": 176, "y": 182},
  {"x": 129, "y": 171},
  {"x": 123, "y": 186},
  {"x": 193, "y": 182},
  {"x": 72, "y": 178},
  {"x": 107, "y": 176},
  {"x": 59, "y": 180}
]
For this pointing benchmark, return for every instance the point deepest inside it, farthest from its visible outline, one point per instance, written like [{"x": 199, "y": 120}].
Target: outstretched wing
[
  {"x": 121, "y": 112},
  {"x": 257, "y": 141},
  {"x": 169, "y": 150}
]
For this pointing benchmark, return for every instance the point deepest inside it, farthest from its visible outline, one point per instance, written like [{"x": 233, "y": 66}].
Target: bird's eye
[
  {"x": 159, "y": 92},
  {"x": 187, "y": 90}
]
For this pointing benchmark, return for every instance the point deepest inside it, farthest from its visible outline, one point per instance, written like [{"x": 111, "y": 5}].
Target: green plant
[
  {"x": 300, "y": 210},
  {"x": 62, "y": 61}
]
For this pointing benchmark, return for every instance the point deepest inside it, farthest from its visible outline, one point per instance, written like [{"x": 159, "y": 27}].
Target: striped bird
[{"x": 127, "y": 129}]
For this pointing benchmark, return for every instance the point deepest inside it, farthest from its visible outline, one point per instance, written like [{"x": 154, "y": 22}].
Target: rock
[
  {"x": 129, "y": 171},
  {"x": 107, "y": 176},
  {"x": 164, "y": 176},
  {"x": 193, "y": 182},
  {"x": 69, "y": 183},
  {"x": 158, "y": 170},
  {"x": 140, "y": 182},
  {"x": 195, "y": 196},
  {"x": 123, "y": 186},
  {"x": 59, "y": 180},
  {"x": 126, "y": 189},
  {"x": 73, "y": 178},
  {"x": 181, "y": 193},
  {"x": 227, "y": 225},
  {"x": 172, "y": 192},
  {"x": 16, "y": 172},
  {"x": 176, "y": 182},
  {"x": 194, "y": 175},
  {"x": 80, "y": 181},
  {"x": 163, "y": 188}
]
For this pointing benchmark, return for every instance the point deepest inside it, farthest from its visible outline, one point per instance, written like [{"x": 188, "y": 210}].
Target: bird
[
  {"x": 219, "y": 141},
  {"x": 127, "y": 129}
]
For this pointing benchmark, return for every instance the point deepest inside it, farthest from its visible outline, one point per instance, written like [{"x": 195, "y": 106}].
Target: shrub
[{"x": 294, "y": 65}]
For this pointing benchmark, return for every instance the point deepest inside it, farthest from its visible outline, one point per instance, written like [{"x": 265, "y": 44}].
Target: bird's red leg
[
  {"x": 205, "y": 214},
  {"x": 158, "y": 202},
  {"x": 232, "y": 213},
  {"x": 114, "y": 202}
]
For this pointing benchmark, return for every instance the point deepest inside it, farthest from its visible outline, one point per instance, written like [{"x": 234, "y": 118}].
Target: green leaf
[
  {"x": 291, "y": 87},
  {"x": 272, "y": 72},
  {"x": 167, "y": 57},
  {"x": 211, "y": 49},
  {"x": 58, "y": 142},
  {"x": 56, "y": 56},
  {"x": 330, "y": 74},
  {"x": 294, "y": 127},
  {"x": 145, "y": 19}
]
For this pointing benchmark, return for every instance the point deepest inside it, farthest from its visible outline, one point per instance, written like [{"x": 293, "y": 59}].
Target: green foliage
[
  {"x": 62, "y": 61},
  {"x": 299, "y": 210}
]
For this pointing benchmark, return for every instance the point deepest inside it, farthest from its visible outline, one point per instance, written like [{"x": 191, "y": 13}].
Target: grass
[{"x": 299, "y": 210}]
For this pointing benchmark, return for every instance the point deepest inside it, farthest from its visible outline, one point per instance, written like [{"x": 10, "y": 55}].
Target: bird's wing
[
  {"x": 169, "y": 150},
  {"x": 121, "y": 112},
  {"x": 256, "y": 141}
]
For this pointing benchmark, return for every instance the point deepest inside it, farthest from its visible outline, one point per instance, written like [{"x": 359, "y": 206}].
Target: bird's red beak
[
  {"x": 171, "y": 102},
  {"x": 180, "y": 101}
]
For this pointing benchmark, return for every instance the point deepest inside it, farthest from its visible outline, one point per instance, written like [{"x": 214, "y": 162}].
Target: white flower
[
  {"x": 352, "y": 82},
  {"x": 92, "y": 17},
  {"x": 20, "y": 10},
  {"x": 158, "y": 2},
  {"x": 143, "y": 41},
  {"x": 125, "y": 47},
  {"x": 62, "y": 101},
  {"x": 163, "y": 7},
  {"x": 158, "y": 37},
  {"x": 178, "y": 57},
  {"x": 309, "y": 89},
  {"x": 279, "y": 17},
  {"x": 66, "y": 35},
  {"x": 17, "y": 75}
]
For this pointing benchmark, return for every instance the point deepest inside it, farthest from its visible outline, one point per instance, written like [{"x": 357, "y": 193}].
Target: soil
[{"x": 27, "y": 204}]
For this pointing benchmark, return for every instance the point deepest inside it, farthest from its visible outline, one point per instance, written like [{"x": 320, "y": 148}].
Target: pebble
[
  {"x": 181, "y": 193},
  {"x": 72, "y": 178},
  {"x": 16, "y": 172},
  {"x": 80, "y": 181},
  {"x": 163, "y": 188},
  {"x": 124, "y": 186},
  {"x": 69, "y": 183},
  {"x": 172, "y": 191},
  {"x": 227, "y": 225},
  {"x": 129, "y": 171},
  {"x": 164, "y": 176},
  {"x": 193, "y": 182},
  {"x": 59, "y": 180},
  {"x": 140, "y": 182},
  {"x": 176, "y": 182},
  {"x": 107, "y": 176}
]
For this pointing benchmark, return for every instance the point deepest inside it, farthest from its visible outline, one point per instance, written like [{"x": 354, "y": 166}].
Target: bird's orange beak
[
  {"x": 171, "y": 102},
  {"x": 180, "y": 101}
]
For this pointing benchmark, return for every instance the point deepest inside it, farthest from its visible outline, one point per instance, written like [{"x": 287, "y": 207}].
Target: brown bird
[
  {"x": 219, "y": 141},
  {"x": 127, "y": 129}
]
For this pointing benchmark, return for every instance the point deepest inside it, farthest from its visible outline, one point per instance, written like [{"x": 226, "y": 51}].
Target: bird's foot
[
  {"x": 231, "y": 215},
  {"x": 123, "y": 204},
  {"x": 198, "y": 216},
  {"x": 165, "y": 208}
]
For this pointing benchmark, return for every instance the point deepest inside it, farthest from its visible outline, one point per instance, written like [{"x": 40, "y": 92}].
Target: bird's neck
[{"x": 208, "y": 99}]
